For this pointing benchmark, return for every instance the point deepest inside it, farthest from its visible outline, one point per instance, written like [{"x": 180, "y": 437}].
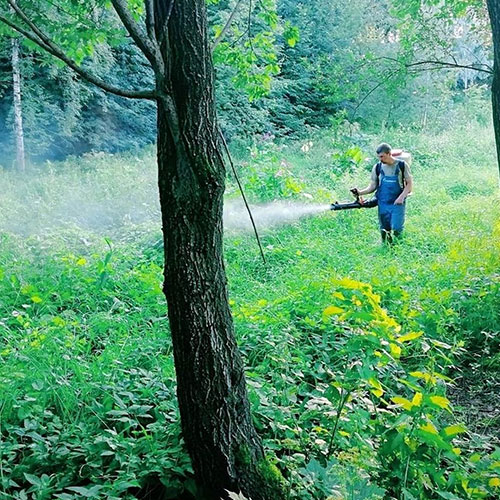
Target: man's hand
[{"x": 399, "y": 200}]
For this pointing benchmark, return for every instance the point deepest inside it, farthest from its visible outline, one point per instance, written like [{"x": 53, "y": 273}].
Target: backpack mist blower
[{"x": 359, "y": 203}]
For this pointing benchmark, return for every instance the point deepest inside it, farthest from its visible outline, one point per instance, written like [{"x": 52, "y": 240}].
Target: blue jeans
[{"x": 391, "y": 217}]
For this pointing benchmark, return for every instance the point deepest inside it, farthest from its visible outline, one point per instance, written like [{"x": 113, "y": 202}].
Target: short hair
[{"x": 383, "y": 148}]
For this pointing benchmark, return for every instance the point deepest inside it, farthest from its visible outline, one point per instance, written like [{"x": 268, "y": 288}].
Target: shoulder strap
[
  {"x": 378, "y": 170},
  {"x": 402, "y": 168}
]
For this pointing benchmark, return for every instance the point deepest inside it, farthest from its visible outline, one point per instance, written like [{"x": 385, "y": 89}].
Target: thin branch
[
  {"x": 486, "y": 67},
  {"x": 44, "y": 42},
  {"x": 164, "y": 28},
  {"x": 250, "y": 9},
  {"x": 38, "y": 33},
  {"x": 147, "y": 46},
  {"x": 150, "y": 18},
  {"x": 451, "y": 65},
  {"x": 244, "y": 34},
  {"x": 69, "y": 14},
  {"x": 226, "y": 148},
  {"x": 226, "y": 27},
  {"x": 25, "y": 33},
  {"x": 413, "y": 68},
  {"x": 370, "y": 92}
]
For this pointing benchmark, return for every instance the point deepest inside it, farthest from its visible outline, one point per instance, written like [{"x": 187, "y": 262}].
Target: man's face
[{"x": 385, "y": 158}]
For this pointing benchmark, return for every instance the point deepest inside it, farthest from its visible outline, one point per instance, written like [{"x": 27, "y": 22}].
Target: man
[{"x": 392, "y": 180}]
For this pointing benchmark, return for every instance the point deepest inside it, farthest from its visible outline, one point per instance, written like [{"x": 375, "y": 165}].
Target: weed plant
[{"x": 356, "y": 353}]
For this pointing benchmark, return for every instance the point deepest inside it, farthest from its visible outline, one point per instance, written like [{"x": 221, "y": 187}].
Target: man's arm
[{"x": 407, "y": 189}]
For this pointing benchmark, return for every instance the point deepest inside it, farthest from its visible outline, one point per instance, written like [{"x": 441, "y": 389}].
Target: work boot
[{"x": 386, "y": 236}]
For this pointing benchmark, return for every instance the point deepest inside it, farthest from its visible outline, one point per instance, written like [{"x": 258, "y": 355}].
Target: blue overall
[{"x": 390, "y": 216}]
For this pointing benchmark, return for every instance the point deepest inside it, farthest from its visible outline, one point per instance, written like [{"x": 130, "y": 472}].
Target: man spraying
[{"x": 392, "y": 180}]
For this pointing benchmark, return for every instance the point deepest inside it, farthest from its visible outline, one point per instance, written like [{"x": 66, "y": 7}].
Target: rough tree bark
[
  {"x": 215, "y": 414},
  {"x": 221, "y": 440},
  {"x": 494, "y": 11},
  {"x": 18, "y": 113}
]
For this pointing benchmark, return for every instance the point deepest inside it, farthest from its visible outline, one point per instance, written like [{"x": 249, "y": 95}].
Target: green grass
[{"x": 87, "y": 402}]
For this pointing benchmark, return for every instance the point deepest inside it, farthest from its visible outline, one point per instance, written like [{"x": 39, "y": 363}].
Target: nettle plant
[{"x": 390, "y": 396}]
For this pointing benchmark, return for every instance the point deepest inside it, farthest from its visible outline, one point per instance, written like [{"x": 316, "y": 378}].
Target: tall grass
[{"x": 87, "y": 388}]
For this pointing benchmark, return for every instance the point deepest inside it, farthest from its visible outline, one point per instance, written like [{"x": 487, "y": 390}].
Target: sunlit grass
[{"x": 85, "y": 335}]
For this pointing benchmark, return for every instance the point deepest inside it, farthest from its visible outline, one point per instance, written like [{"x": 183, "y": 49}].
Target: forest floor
[{"x": 372, "y": 371}]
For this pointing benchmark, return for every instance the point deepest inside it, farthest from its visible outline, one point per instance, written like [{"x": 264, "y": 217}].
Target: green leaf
[
  {"x": 440, "y": 401},
  {"x": 92, "y": 492},
  {"x": 453, "y": 430},
  {"x": 433, "y": 439},
  {"x": 332, "y": 310},
  {"x": 410, "y": 336},
  {"x": 35, "y": 480}
]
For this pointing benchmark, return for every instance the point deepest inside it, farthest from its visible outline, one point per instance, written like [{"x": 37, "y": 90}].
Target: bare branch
[
  {"x": 419, "y": 67},
  {"x": 226, "y": 27},
  {"x": 150, "y": 18},
  {"x": 481, "y": 67},
  {"x": 44, "y": 42},
  {"x": 25, "y": 33},
  {"x": 69, "y": 14},
  {"x": 451, "y": 65},
  {"x": 233, "y": 168},
  {"x": 373, "y": 89},
  {"x": 250, "y": 9},
  {"x": 148, "y": 46},
  {"x": 164, "y": 29}
]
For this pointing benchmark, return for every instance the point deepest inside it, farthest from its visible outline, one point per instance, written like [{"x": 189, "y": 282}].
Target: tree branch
[
  {"x": 451, "y": 65},
  {"x": 69, "y": 14},
  {"x": 226, "y": 27},
  {"x": 147, "y": 46},
  {"x": 150, "y": 18},
  {"x": 25, "y": 33},
  {"x": 164, "y": 29},
  {"x": 486, "y": 68},
  {"x": 413, "y": 67},
  {"x": 44, "y": 42},
  {"x": 370, "y": 92}
]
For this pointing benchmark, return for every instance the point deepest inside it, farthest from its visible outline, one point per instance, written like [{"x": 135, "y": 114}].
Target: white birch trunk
[{"x": 18, "y": 113}]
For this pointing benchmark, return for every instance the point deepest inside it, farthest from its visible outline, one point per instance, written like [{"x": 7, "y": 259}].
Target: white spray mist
[{"x": 266, "y": 216}]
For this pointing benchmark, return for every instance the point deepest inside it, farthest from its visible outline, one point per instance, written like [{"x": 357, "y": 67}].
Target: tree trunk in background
[
  {"x": 18, "y": 114},
  {"x": 215, "y": 413},
  {"x": 494, "y": 11}
]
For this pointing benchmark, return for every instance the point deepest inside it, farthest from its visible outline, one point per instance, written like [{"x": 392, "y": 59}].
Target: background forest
[
  {"x": 303, "y": 67},
  {"x": 373, "y": 372}
]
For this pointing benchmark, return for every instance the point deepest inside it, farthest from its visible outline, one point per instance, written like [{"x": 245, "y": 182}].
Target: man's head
[{"x": 384, "y": 153}]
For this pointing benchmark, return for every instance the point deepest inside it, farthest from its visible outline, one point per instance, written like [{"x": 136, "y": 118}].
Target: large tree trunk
[
  {"x": 225, "y": 450},
  {"x": 494, "y": 10},
  {"x": 18, "y": 114}
]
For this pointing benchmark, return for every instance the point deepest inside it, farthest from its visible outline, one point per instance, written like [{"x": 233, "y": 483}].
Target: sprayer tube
[{"x": 355, "y": 204}]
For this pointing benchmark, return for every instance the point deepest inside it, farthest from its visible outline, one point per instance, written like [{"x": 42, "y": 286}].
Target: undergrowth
[{"x": 354, "y": 352}]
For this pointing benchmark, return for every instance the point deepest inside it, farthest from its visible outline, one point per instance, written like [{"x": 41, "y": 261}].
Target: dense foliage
[
  {"x": 372, "y": 371},
  {"x": 362, "y": 362},
  {"x": 284, "y": 68}
]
